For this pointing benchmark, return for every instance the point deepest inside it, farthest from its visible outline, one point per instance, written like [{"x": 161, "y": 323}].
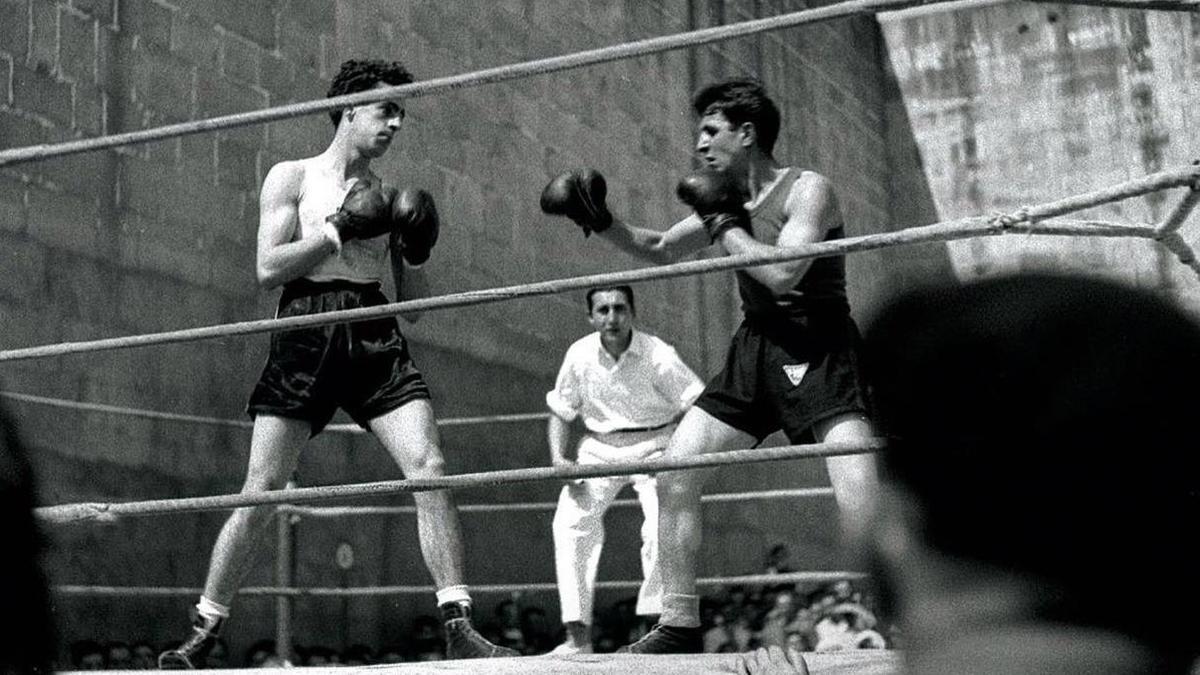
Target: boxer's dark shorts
[
  {"x": 788, "y": 373},
  {"x": 362, "y": 367}
]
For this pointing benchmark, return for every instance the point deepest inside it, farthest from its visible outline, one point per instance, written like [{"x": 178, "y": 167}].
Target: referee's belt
[{"x": 633, "y": 430}]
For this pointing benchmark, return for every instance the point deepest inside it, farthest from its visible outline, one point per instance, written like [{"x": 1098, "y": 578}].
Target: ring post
[{"x": 284, "y": 564}]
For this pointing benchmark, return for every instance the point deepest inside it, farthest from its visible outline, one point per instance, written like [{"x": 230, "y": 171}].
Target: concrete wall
[
  {"x": 160, "y": 236},
  {"x": 1019, "y": 104}
]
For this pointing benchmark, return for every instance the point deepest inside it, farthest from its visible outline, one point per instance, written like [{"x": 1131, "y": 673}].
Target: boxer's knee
[{"x": 425, "y": 461}]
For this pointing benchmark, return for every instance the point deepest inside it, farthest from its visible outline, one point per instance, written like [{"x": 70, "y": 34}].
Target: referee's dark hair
[{"x": 624, "y": 289}]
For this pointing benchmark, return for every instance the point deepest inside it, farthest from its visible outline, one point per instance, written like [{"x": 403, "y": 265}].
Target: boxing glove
[
  {"x": 415, "y": 218},
  {"x": 579, "y": 195},
  {"x": 717, "y": 199},
  {"x": 365, "y": 213}
]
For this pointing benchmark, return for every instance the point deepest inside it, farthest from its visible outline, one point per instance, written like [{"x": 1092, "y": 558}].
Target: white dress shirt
[{"x": 648, "y": 386}]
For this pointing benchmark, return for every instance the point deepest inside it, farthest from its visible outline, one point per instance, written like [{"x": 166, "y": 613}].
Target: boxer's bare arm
[
  {"x": 658, "y": 246},
  {"x": 280, "y": 257},
  {"x": 581, "y": 195},
  {"x": 812, "y": 210}
]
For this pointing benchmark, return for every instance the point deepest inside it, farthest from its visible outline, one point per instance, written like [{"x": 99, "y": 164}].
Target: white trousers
[{"x": 579, "y": 524}]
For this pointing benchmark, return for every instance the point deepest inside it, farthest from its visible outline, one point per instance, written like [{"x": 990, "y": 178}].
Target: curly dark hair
[
  {"x": 742, "y": 101},
  {"x": 357, "y": 75}
]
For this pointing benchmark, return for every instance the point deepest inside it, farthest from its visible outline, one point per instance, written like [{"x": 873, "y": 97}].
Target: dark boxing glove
[
  {"x": 415, "y": 218},
  {"x": 579, "y": 195},
  {"x": 365, "y": 213},
  {"x": 717, "y": 199}
]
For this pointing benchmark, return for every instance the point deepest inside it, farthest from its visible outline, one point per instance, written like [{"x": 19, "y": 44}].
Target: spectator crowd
[{"x": 828, "y": 617}]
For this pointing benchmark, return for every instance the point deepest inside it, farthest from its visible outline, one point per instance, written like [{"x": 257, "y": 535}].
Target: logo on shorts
[{"x": 795, "y": 373}]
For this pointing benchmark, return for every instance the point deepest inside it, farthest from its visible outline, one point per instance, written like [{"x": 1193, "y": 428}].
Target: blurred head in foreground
[
  {"x": 26, "y": 637},
  {"x": 1041, "y": 458}
]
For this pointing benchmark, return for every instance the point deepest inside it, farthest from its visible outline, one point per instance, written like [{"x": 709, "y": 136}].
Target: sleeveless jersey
[
  {"x": 823, "y": 286},
  {"x": 360, "y": 260}
]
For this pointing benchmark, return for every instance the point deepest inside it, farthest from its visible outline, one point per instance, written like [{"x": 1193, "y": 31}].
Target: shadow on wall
[{"x": 910, "y": 203}]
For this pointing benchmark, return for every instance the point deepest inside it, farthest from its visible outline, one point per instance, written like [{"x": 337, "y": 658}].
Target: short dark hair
[
  {"x": 742, "y": 101},
  {"x": 623, "y": 289},
  {"x": 531, "y": 610},
  {"x": 425, "y": 621},
  {"x": 1029, "y": 416},
  {"x": 82, "y": 648},
  {"x": 358, "y": 75},
  {"x": 263, "y": 645}
]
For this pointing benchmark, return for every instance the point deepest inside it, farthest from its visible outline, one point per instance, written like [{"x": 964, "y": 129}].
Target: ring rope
[
  {"x": 1168, "y": 230},
  {"x": 245, "y": 424},
  {"x": 1174, "y": 243},
  {"x": 487, "y": 76},
  {"x": 957, "y": 5},
  {"x": 109, "y": 511},
  {"x": 1166, "y": 5},
  {"x": 727, "y": 497},
  {"x": 961, "y": 228},
  {"x": 968, "y": 228},
  {"x": 1182, "y": 210},
  {"x": 366, "y": 591}
]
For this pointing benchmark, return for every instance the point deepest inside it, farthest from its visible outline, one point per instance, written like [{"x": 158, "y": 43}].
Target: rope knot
[{"x": 1006, "y": 221}]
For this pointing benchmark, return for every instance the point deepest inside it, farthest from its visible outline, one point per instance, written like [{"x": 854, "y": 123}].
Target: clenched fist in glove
[
  {"x": 717, "y": 199},
  {"x": 415, "y": 219},
  {"x": 366, "y": 212},
  {"x": 579, "y": 195}
]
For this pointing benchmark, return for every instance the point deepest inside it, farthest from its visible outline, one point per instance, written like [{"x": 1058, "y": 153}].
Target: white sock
[
  {"x": 681, "y": 611},
  {"x": 212, "y": 610},
  {"x": 453, "y": 594}
]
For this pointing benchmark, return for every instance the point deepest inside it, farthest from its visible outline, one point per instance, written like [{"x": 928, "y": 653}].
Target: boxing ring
[
  {"x": 286, "y": 591},
  {"x": 305, "y": 502}
]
